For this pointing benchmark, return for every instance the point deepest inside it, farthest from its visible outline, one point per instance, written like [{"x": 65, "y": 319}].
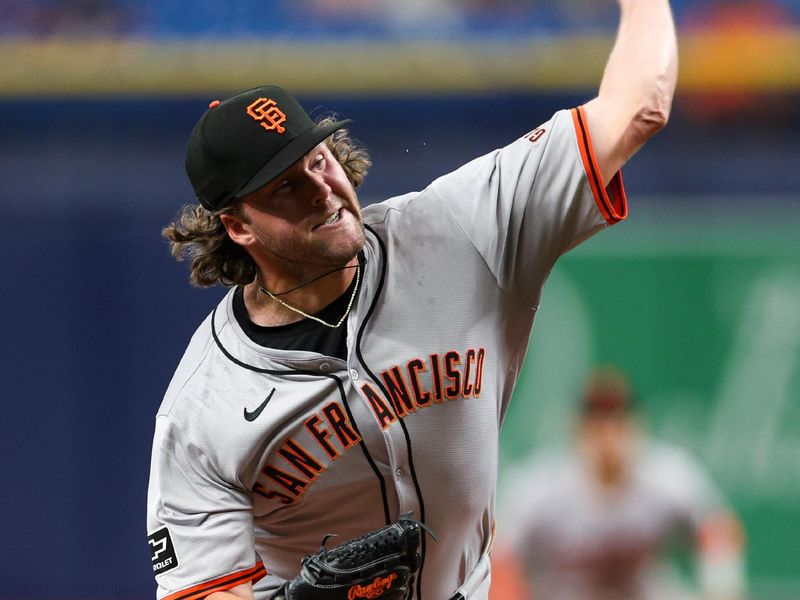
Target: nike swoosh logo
[{"x": 253, "y": 415}]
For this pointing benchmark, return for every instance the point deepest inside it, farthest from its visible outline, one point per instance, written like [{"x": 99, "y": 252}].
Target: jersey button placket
[{"x": 401, "y": 478}]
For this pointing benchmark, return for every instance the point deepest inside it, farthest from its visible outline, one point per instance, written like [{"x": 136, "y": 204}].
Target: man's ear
[{"x": 238, "y": 229}]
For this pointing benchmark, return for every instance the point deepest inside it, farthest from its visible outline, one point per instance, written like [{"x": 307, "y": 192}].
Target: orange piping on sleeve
[
  {"x": 614, "y": 208},
  {"x": 220, "y": 584}
]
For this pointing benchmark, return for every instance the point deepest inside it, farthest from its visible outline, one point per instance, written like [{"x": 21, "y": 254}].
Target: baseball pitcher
[{"x": 353, "y": 380}]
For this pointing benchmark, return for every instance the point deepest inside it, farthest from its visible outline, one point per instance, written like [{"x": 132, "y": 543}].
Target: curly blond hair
[{"x": 198, "y": 234}]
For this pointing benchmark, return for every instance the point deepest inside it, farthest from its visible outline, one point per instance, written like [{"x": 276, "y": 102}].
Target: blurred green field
[{"x": 700, "y": 303}]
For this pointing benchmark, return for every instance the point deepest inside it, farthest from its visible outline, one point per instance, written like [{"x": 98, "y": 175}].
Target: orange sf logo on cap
[{"x": 267, "y": 113}]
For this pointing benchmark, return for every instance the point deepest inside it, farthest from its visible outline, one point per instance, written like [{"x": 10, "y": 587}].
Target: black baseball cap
[{"x": 246, "y": 141}]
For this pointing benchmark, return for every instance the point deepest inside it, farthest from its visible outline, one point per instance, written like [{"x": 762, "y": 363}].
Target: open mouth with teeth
[{"x": 332, "y": 219}]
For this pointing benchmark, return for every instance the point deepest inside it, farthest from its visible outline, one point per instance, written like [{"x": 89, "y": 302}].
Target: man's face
[
  {"x": 306, "y": 219},
  {"x": 608, "y": 441}
]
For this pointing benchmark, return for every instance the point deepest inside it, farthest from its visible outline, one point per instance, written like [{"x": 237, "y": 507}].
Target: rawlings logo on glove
[
  {"x": 382, "y": 564},
  {"x": 373, "y": 590}
]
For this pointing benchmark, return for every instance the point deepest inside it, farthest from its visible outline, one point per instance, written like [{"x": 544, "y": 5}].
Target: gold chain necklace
[{"x": 312, "y": 317}]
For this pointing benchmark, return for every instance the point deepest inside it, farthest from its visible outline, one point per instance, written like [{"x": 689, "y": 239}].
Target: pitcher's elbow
[
  {"x": 656, "y": 109},
  {"x": 652, "y": 120},
  {"x": 653, "y": 115}
]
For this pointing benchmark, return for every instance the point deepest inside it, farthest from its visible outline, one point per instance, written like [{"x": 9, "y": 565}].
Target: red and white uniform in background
[{"x": 573, "y": 540}]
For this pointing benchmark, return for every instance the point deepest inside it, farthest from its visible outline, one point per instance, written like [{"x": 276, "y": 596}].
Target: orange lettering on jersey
[
  {"x": 341, "y": 425},
  {"x": 451, "y": 360},
  {"x": 534, "y": 135},
  {"x": 272, "y": 494},
  {"x": 415, "y": 367},
  {"x": 300, "y": 459},
  {"x": 399, "y": 396},
  {"x": 379, "y": 408},
  {"x": 470, "y": 359},
  {"x": 321, "y": 435},
  {"x": 267, "y": 113},
  {"x": 294, "y": 485},
  {"x": 436, "y": 375},
  {"x": 476, "y": 388}
]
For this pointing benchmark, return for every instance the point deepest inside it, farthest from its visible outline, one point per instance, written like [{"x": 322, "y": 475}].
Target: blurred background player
[{"x": 601, "y": 521}]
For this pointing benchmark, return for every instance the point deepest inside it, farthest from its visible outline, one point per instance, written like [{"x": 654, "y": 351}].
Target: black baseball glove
[{"x": 381, "y": 564}]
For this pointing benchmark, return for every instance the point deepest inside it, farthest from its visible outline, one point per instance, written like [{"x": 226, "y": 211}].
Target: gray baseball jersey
[
  {"x": 259, "y": 453},
  {"x": 577, "y": 542}
]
